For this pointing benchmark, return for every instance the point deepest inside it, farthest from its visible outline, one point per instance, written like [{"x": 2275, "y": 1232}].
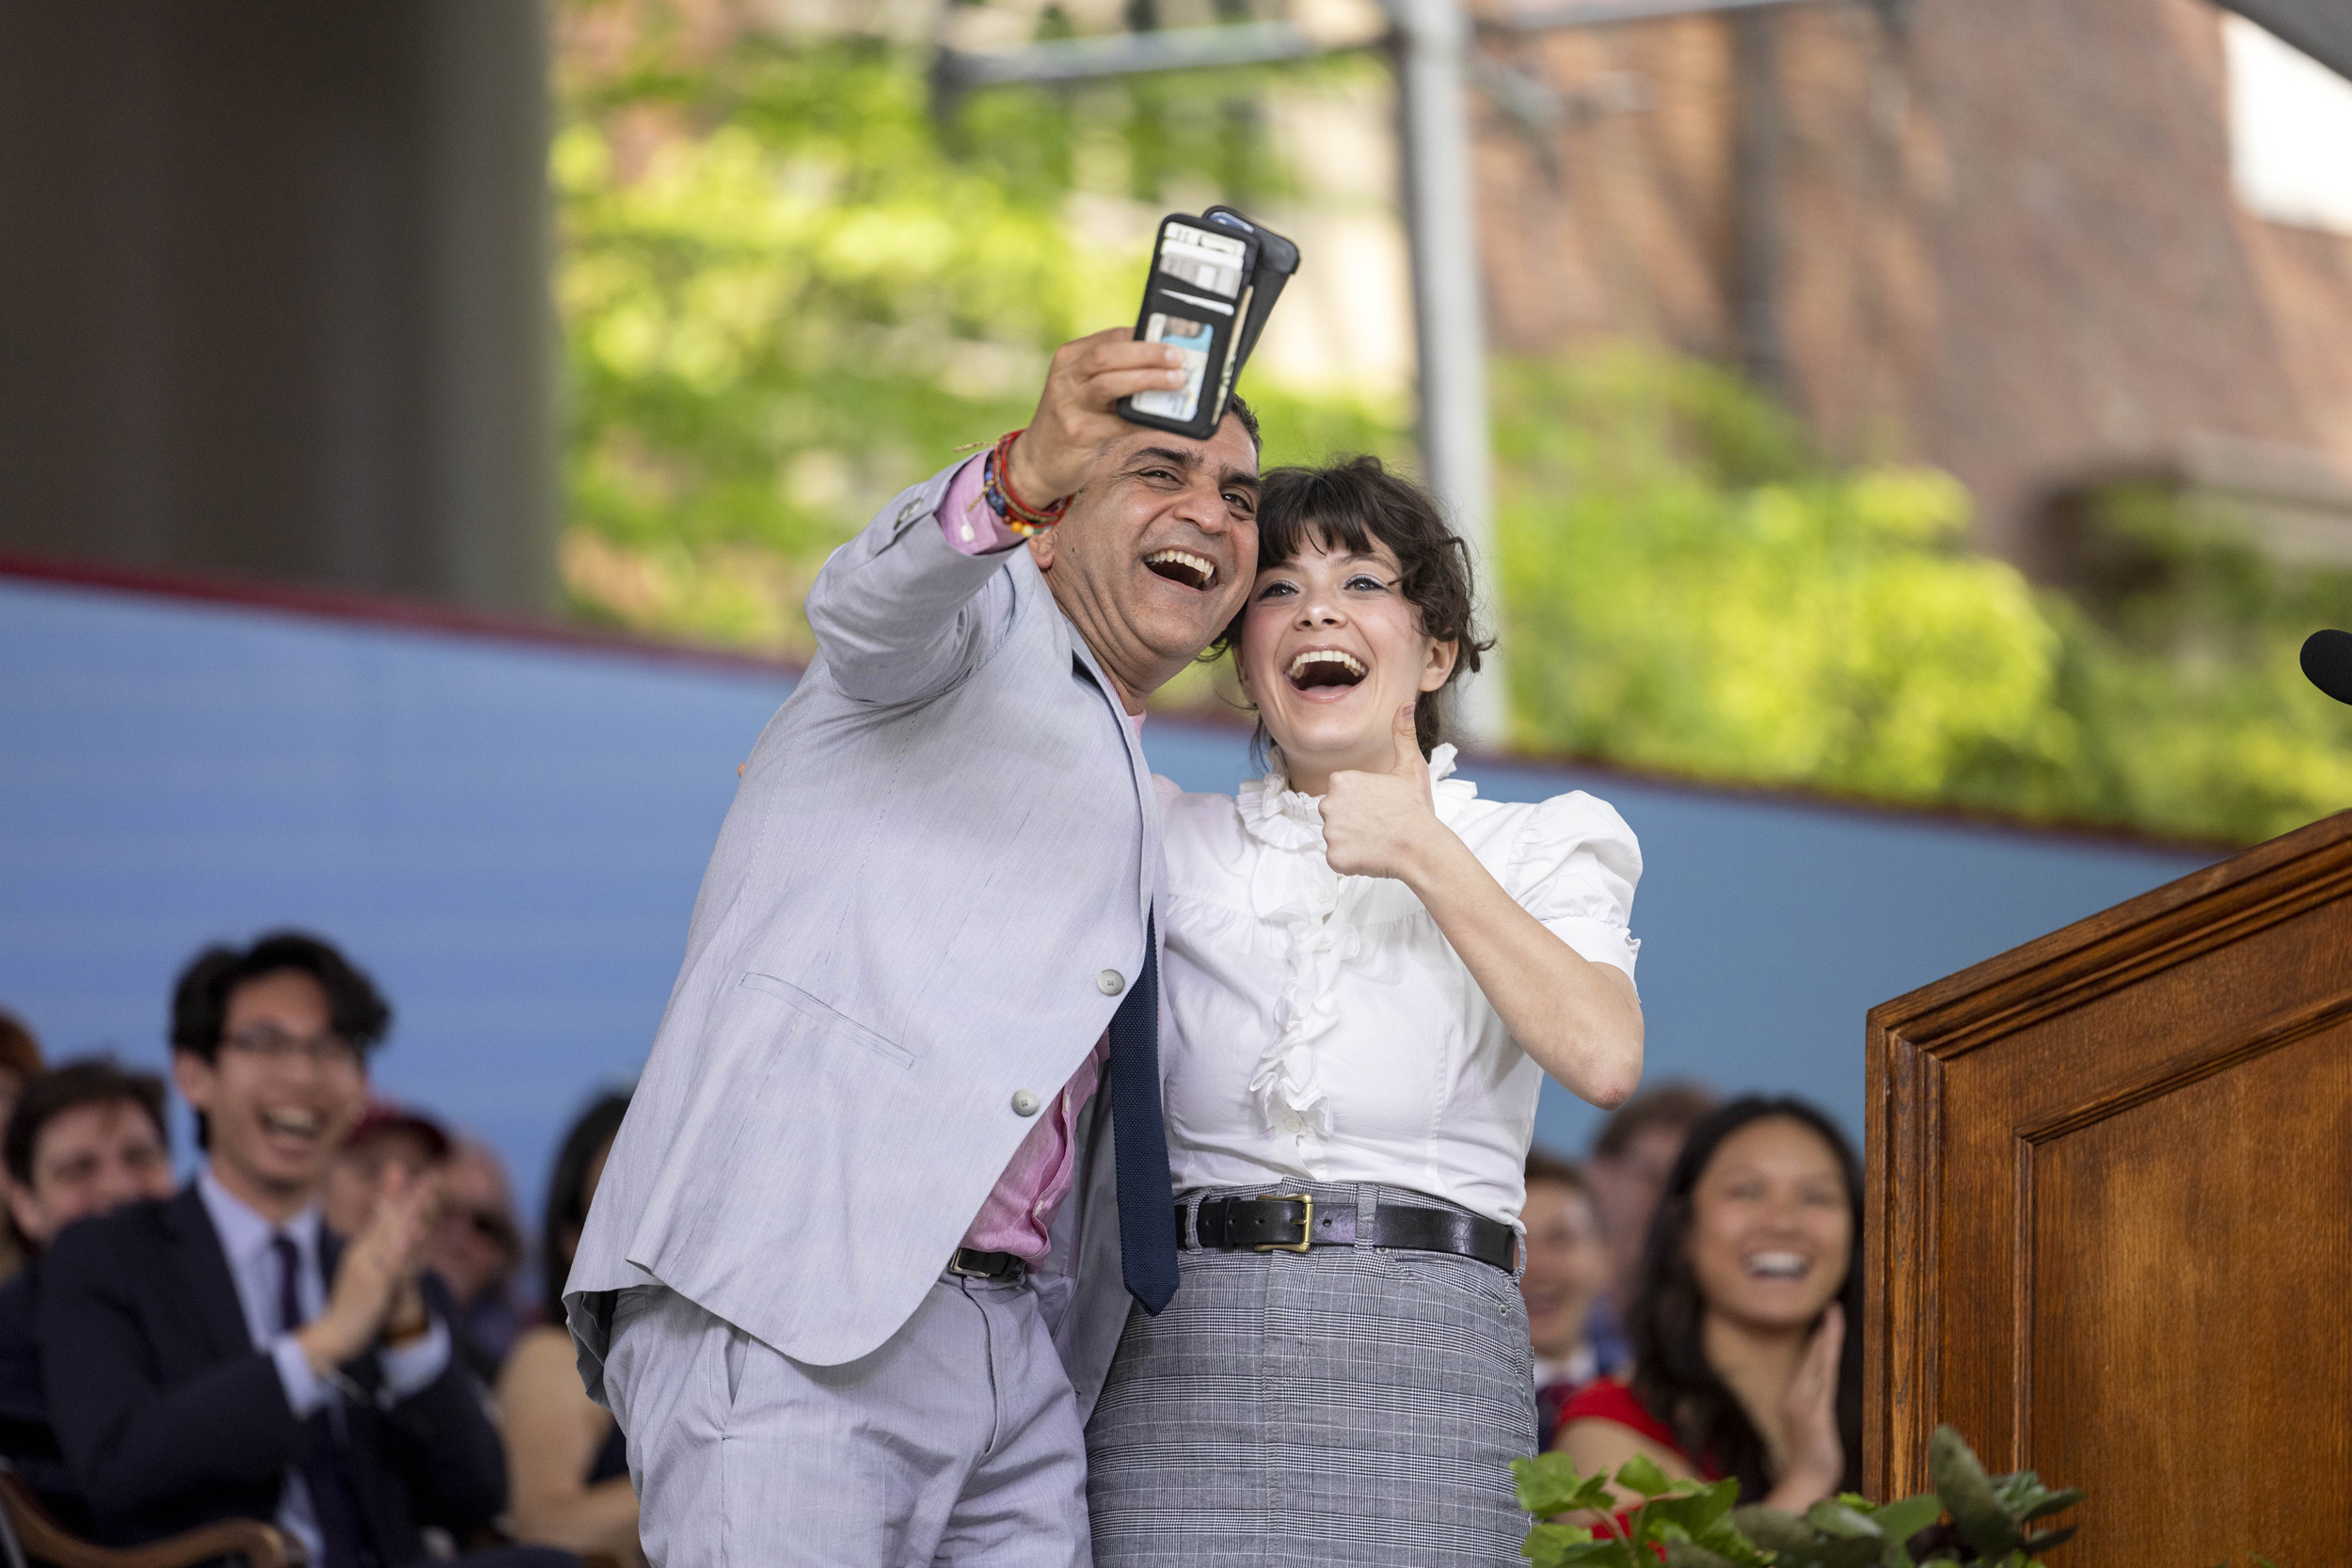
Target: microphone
[{"x": 2328, "y": 663}]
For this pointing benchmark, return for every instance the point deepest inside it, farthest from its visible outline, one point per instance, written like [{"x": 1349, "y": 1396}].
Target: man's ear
[
  {"x": 196, "y": 1077},
  {"x": 1438, "y": 663},
  {"x": 26, "y": 1213},
  {"x": 1041, "y": 549}
]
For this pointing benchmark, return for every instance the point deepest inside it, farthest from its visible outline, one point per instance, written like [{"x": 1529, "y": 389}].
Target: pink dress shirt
[{"x": 1019, "y": 1213}]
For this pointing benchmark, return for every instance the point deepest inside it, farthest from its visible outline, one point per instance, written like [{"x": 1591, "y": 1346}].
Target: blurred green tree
[
  {"x": 788, "y": 290},
  {"x": 1689, "y": 588}
]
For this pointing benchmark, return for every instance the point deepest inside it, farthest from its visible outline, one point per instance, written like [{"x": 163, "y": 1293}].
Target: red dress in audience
[{"x": 1606, "y": 1398}]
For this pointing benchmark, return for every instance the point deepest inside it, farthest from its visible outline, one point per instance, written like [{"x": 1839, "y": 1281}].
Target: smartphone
[{"x": 1202, "y": 298}]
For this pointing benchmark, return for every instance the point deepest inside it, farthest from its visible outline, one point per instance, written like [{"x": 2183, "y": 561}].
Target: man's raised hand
[
  {"x": 376, "y": 1284},
  {"x": 1077, "y": 414},
  {"x": 1375, "y": 823}
]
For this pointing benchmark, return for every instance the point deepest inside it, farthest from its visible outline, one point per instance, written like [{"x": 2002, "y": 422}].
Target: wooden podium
[{"x": 2110, "y": 1215}]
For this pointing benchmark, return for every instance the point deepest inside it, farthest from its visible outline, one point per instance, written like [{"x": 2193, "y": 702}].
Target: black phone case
[
  {"x": 1278, "y": 259},
  {"x": 1193, "y": 304}
]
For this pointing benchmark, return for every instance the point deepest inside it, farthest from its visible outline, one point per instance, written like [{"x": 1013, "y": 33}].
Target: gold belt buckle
[{"x": 1306, "y": 1226}]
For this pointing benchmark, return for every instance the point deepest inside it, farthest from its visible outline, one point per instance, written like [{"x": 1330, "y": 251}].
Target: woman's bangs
[{"x": 1293, "y": 520}]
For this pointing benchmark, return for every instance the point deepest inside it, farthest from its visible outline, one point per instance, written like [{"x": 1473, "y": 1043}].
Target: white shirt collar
[{"x": 244, "y": 1234}]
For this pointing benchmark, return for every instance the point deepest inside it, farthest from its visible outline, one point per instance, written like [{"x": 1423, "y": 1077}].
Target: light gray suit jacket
[{"x": 944, "y": 847}]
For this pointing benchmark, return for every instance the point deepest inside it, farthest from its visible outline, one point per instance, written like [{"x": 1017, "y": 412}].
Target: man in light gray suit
[{"x": 861, "y": 1254}]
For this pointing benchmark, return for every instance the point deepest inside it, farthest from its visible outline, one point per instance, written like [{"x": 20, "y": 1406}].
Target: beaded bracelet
[{"x": 996, "y": 489}]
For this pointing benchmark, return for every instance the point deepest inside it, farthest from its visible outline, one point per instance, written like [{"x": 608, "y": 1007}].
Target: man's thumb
[{"x": 1408, "y": 740}]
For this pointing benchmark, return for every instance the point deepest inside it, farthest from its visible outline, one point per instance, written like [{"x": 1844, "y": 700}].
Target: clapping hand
[
  {"x": 1375, "y": 824},
  {"x": 1816, "y": 1460},
  {"x": 377, "y": 1289}
]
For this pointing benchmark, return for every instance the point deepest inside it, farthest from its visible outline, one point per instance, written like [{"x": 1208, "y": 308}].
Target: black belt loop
[{"x": 1296, "y": 1222}]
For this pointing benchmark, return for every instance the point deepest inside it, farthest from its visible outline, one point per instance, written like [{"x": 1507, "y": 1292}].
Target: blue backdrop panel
[{"x": 509, "y": 834}]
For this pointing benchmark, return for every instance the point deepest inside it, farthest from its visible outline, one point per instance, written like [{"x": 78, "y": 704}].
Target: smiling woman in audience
[
  {"x": 1370, "y": 972},
  {"x": 566, "y": 1464},
  {"x": 1742, "y": 1366}
]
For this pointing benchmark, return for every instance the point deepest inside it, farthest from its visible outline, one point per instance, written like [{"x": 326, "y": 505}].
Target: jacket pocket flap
[{"x": 832, "y": 1021}]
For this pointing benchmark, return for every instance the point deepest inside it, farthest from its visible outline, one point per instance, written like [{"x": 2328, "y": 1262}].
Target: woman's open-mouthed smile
[{"x": 1330, "y": 648}]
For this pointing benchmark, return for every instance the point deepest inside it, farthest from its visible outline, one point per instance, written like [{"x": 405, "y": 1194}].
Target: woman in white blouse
[{"x": 1370, "y": 972}]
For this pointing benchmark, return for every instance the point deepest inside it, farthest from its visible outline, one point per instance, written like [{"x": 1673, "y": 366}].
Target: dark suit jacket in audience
[
  {"x": 171, "y": 1419},
  {"x": 27, "y": 1440}
]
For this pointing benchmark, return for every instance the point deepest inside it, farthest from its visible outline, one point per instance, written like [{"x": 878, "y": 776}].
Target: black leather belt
[
  {"x": 974, "y": 1264},
  {"x": 1293, "y": 1222}
]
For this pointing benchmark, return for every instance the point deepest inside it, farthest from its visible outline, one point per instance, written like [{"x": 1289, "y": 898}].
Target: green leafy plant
[{"x": 1689, "y": 1524}]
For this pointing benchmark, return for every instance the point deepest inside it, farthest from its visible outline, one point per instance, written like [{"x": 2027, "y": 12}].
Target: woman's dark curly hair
[
  {"x": 1349, "y": 506},
  {"x": 1671, "y": 1374}
]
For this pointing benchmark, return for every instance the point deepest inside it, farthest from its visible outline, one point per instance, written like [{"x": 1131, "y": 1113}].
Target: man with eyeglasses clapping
[{"x": 219, "y": 1355}]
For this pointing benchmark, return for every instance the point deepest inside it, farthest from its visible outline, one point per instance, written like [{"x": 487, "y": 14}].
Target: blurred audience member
[
  {"x": 345, "y": 1419},
  {"x": 1743, "y": 1365},
  {"x": 476, "y": 1247},
  {"x": 386, "y": 1136},
  {"x": 19, "y": 1064},
  {"x": 569, "y": 1463},
  {"x": 1568, "y": 1269},
  {"x": 477, "y": 1251},
  {"x": 20, "y": 1061},
  {"x": 83, "y": 1140},
  {"x": 1628, "y": 1170}
]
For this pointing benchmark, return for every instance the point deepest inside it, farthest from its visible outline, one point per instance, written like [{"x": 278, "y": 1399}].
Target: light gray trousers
[{"x": 955, "y": 1442}]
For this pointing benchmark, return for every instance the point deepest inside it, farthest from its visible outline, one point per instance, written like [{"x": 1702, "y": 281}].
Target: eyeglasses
[{"x": 327, "y": 1051}]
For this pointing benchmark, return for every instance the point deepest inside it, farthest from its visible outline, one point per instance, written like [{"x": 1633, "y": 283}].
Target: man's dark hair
[
  {"x": 1551, "y": 1167},
  {"x": 1672, "y": 1376},
  {"x": 568, "y": 1194},
  {"x": 1678, "y": 1104},
  {"x": 92, "y": 1081},
  {"x": 1249, "y": 418},
  {"x": 18, "y": 1052},
  {"x": 200, "y": 1005},
  {"x": 1351, "y": 505}
]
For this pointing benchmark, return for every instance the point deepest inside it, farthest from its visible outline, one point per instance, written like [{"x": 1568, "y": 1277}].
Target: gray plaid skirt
[{"x": 1344, "y": 1406}]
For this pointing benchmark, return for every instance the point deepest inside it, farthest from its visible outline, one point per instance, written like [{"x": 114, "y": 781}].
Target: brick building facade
[{"x": 2001, "y": 236}]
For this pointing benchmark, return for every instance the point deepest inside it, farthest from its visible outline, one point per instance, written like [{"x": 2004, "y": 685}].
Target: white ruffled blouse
[{"x": 1325, "y": 1029}]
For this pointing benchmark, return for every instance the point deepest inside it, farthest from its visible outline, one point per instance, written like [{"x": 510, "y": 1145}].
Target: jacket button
[
  {"x": 1023, "y": 1103},
  {"x": 1111, "y": 981}
]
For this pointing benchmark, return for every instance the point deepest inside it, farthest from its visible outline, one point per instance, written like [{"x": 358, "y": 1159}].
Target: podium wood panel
[{"x": 2109, "y": 1214}]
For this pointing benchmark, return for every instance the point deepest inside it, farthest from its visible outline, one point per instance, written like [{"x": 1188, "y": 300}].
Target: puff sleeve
[{"x": 1573, "y": 867}]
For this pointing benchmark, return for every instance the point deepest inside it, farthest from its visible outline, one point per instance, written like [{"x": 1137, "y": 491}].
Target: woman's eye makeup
[{"x": 1361, "y": 582}]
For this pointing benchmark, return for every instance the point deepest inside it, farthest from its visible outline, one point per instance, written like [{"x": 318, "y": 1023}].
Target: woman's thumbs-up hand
[{"x": 1375, "y": 823}]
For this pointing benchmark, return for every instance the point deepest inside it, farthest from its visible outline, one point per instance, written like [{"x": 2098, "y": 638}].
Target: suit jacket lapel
[
  {"x": 1139, "y": 769},
  {"x": 196, "y": 1251}
]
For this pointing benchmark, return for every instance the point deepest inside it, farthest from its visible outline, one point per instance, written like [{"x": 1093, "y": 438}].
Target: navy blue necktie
[
  {"x": 333, "y": 1504},
  {"x": 1147, "y": 1213}
]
